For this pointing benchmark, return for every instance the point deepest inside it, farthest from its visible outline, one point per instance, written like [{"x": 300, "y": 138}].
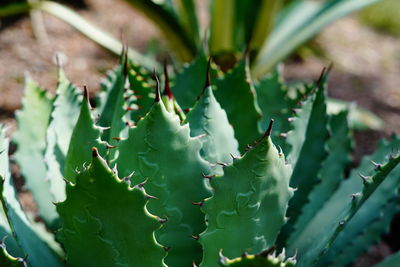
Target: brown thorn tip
[
  {"x": 167, "y": 87},
  {"x": 166, "y": 249},
  {"x": 95, "y": 152},
  {"x": 85, "y": 92},
  {"x": 208, "y": 75},
  {"x": 269, "y": 130}
]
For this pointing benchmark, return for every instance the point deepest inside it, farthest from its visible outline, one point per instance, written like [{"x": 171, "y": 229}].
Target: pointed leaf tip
[
  {"x": 167, "y": 87},
  {"x": 85, "y": 93},
  {"x": 268, "y": 132},
  {"x": 95, "y": 152},
  {"x": 208, "y": 75}
]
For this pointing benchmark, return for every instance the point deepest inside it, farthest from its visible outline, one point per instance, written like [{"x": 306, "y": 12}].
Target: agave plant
[
  {"x": 269, "y": 29},
  {"x": 137, "y": 181}
]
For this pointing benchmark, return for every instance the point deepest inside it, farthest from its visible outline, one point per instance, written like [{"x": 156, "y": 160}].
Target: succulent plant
[{"x": 251, "y": 172}]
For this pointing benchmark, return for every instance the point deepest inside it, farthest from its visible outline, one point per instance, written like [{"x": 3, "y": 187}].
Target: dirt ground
[{"x": 366, "y": 67}]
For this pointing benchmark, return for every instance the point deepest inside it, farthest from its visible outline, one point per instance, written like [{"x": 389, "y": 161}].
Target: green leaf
[
  {"x": 371, "y": 211},
  {"x": 89, "y": 30},
  {"x": 30, "y": 138},
  {"x": 143, "y": 95},
  {"x": 162, "y": 152},
  {"x": 350, "y": 198},
  {"x": 84, "y": 136},
  {"x": 390, "y": 261},
  {"x": 331, "y": 173},
  {"x": 23, "y": 230},
  {"x": 308, "y": 140},
  {"x": 174, "y": 32},
  {"x": 189, "y": 83},
  {"x": 352, "y": 248},
  {"x": 297, "y": 23},
  {"x": 209, "y": 119},
  {"x": 275, "y": 104},
  {"x": 222, "y": 27},
  {"x": 186, "y": 11},
  {"x": 113, "y": 226},
  {"x": 264, "y": 22},
  {"x": 264, "y": 259},
  {"x": 249, "y": 204},
  {"x": 63, "y": 119},
  {"x": 236, "y": 95},
  {"x": 114, "y": 108}
]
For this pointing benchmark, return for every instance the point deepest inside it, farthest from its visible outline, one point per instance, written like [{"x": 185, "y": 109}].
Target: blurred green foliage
[{"x": 383, "y": 16}]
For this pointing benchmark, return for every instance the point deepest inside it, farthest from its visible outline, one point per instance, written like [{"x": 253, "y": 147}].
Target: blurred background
[{"x": 364, "y": 49}]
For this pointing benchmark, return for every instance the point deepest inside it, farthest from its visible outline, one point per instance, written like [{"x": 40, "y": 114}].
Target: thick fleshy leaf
[
  {"x": 114, "y": 108},
  {"x": 105, "y": 221},
  {"x": 84, "y": 136},
  {"x": 222, "y": 27},
  {"x": 30, "y": 138},
  {"x": 249, "y": 204},
  {"x": 369, "y": 217},
  {"x": 189, "y": 83},
  {"x": 169, "y": 159},
  {"x": 186, "y": 11},
  {"x": 274, "y": 104},
  {"x": 353, "y": 195},
  {"x": 142, "y": 95},
  {"x": 28, "y": 239},
  {"x": 308, "y": 150},
  {"x": 209, "y": 119},
  {"x": 331, "y": 173},
  {"x": 236, "y": 95},
  {"x": 360, "y": 243},
  {"x": 62, "y": 121}
]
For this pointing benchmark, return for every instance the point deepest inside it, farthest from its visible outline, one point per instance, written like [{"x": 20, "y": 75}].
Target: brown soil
[{"x": 366, "y": 67}]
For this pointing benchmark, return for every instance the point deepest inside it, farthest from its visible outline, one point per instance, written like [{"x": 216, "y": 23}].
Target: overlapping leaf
[
  {"x": 28, "y": 239},
  {"x": 343, "y": 206},
  {"x": 236, "y": 95},
  {"x": 84, "y": 136},
  {"x": 105, "y": 221},
  {"x": 170, "y": 161},
  {"x": 209, "y": 119},
  {"x": 62, "y": 121},
  {"x": 249, "y": 204},
  {"x": 30, "y": 138}
]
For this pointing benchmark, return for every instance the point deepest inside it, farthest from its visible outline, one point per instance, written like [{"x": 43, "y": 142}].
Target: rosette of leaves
[{"x": 155, "y": 175}]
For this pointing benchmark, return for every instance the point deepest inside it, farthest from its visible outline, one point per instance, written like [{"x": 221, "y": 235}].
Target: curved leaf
[
  {"x": 248, "y": 205},
  {"x": 297, "y": 23}
]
